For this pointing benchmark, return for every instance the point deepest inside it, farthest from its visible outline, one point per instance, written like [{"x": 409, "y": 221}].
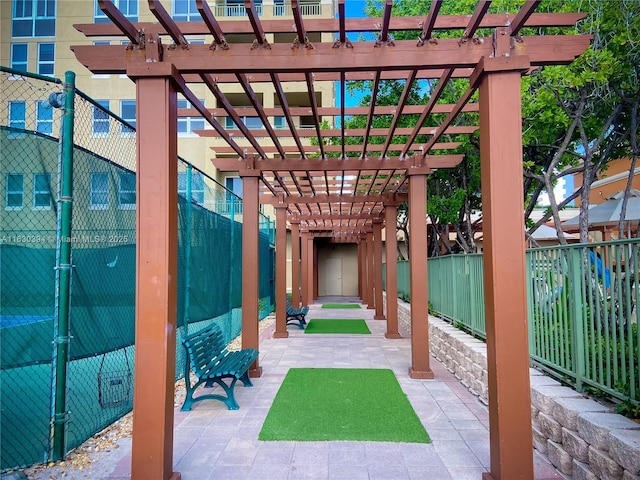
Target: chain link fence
[{"x": 94, "y": 383}]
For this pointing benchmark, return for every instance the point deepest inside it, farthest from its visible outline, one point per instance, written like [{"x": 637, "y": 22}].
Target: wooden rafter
[
  {"x": 427, "y": 26},
  {"x": 212, "y": 24},
  {"x": 295, "y": 173},
  {"x": 167, "y": 22}
]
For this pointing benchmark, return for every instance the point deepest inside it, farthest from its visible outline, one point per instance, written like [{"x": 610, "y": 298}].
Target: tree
[
  {"x": 575, "y": 118},
  {"x": 578, "y": 117}
]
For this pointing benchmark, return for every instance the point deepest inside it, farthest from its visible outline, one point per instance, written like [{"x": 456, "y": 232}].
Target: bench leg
[
  {"x": 246, "y": 380},
  {"x": 229, "y": 400}
]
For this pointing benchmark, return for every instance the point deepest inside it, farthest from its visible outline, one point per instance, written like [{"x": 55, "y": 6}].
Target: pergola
[{"x": 344, "y": 190}]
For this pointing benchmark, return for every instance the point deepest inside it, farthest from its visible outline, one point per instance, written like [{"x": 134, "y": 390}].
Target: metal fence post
[
  {"x": 232, "y": 203},
  {"x": 187, "y": 251},
  {"x": 63, "y": 270},
  {"x": 576, "y": 317}
]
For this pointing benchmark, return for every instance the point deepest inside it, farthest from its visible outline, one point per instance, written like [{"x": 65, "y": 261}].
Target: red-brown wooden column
[
  {"x": 304, "y": 264},
  {"x": 314, "y": 270},
  {"x": 420, "y": 367},
  {"x": 377, "y": 265},
  {"x": 365, "y": 277},
  {"x": 250, "y": 266},
  {"x": 295, "y": 262},
  {"x": 359, "y": 244},
  {"x": 371, "y": 301},
  {"x": 311, "y": 268},
  {"x": 281, "y": 272},
  {"x": 391, "y": 245},
  {"x": 156, "y": 279},
  {"x": 504, "y": 273}
]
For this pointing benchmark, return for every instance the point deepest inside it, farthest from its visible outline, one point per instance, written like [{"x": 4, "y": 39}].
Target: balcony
[
  {"x": 306, "y": 9},
  {"x": 235, "y": 10}
]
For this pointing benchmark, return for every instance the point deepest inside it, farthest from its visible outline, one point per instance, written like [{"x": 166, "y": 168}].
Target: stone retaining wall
[{"x": 582, "y": 438}]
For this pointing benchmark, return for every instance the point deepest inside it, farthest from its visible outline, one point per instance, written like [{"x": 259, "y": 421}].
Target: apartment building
[{"x": 36, "y": 36}]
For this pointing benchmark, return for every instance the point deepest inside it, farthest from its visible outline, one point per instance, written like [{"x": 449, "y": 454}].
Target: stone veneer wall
[{"x": 582, "y": 438}]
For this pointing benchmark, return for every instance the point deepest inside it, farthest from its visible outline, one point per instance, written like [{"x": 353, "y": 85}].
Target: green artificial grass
[
  {"x": 332, "y": 404},
  {"x": 337, "y": 325},
  {"x": 340, "y": 305}
]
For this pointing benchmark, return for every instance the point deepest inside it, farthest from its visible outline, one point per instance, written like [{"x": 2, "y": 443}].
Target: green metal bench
[
  {"x": 208, "y": 357},
  {"x": 296, "y": 314}
]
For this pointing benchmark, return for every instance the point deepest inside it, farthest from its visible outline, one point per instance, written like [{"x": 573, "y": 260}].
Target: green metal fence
[
  {"x": 582, "y": 310},
  {"x": 67, "y": 251}
]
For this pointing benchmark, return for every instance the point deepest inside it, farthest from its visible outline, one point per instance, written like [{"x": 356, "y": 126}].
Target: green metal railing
[
  {"x": 582, "y": 310},
  {"x": 67, "y": 275}
]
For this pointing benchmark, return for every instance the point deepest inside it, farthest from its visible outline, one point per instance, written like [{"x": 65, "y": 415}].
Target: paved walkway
[{"x": 211, "y": 442}]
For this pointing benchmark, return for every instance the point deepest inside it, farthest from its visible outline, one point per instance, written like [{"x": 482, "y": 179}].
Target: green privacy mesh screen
[{"x": 99, "y": 378}]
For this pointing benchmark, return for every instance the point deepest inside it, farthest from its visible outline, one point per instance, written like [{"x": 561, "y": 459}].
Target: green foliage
[{"x": 405, "y": 297}]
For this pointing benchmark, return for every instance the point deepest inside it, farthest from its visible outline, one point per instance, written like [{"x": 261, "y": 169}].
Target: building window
[
  {"x": 126, "y": 190},
  {"x": 185, "y": 10},
  {"x": 99, "y": 194},
  {"x": 186, "y": 125},
  {"x": 129, "y": 9},
  {"x": 46, "y": 58},
  {"x": 14, "y": 191},
  {"x": 33, "y": 18},
  {"x": 253, "y": 123},
  {"x": 17, "y": 117},
  {"x": 44, "y": 117},
  {"x": 41, "y": 191},
  {"x": 197, "y": 186},
  {"x": 101, "y": 118},
  {"x": 235, "y": 185},
  {"x": 19, "y": 56},
  {"x": 128, "y": 114},
  {"x": 279, "y": 122}
]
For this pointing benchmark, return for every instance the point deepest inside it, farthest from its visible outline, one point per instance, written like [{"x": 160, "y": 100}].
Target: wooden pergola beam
[
  {"x": 335, "y": 165},
  {"x": 335, "y": 76},
  {"x": 326, "y": 25},
  {"x": 335, "y": 216},
  {"x": 359, "y": 132},
  {"x": 328, "y": 111},
  {"x": 335, "y": 199},
  {"x": 280, "y": 58},
  {"x": 309, "y": 149}
]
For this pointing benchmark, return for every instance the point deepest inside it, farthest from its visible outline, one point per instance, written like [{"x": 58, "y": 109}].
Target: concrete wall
[{"x": 582, "y": 438}]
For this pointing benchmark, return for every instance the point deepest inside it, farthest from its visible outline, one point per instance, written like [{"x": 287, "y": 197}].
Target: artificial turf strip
[
  {"x": 332, "y": 404},
  {"x": 340, "y": 305},
  {"x": 335, "y": 325}
]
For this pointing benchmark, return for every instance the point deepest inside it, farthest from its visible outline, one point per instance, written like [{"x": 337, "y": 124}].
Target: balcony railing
[
  {"x": 282, "y": 9},
  {"x": 235, "y": 10}
]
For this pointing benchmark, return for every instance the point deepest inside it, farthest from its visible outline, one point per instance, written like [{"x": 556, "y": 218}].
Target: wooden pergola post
[
  {"x": 250, "y": 266},
  {"x": 156, "y": 278},
  {"x": 359, "y": 245},
  {"x": 391, "y": 245},
  {"x": 281, "y": 272},
  {"x": 295, "y": 262},
  {"x": 377, "y": 262},
  {"x": 365, "y": 277},
  {"x": 420, "y": 367},
  {"x": 314, "y": 270},
  {"x": 304, "y": 263},
  {"x": 370, "y": 272},
  {"x": 505, "y": 288}
]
